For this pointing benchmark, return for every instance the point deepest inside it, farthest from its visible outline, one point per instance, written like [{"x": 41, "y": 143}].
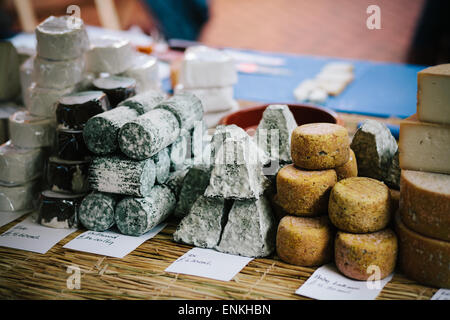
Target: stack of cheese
[
  {"x": 423, "y": 225},
  {"x": 210, "y": 74},
  {"x": 130, "y": 173}
]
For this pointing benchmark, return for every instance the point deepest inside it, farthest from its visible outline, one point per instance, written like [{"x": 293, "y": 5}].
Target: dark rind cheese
[
  {"x": 393, "y": 175},
  {"x": 101, "y": 131},
  {"x": 144, "y": 102},
  {"x": 74, "y": 110},
  {"x": 186, "y": 107},
  {"x": 136, "y": 216},
  {"x": 67, "y": 176},
  {"x": 194, "y": 185},
  {"x": 162, "y": 163},
  {"x": 117, "y": 174},
  {"x": 116, "y": 88},
  {"x": 175, "y": 181},
  {"x": 59, "y": 210},
  {"x": 148, "y": 134},
  {"x": 203, "y": 226},
  {"x": 97, "y": 211},
  {"x": 70, "y": 145}
]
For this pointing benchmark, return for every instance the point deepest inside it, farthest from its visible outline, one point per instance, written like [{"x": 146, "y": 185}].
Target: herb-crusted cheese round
[
  {"x": 97, "y": 211},
  {"x": 318, "y": 146},
  {"x": 302, "y": 192},
  {"x": 358, "y": 256},
  {"x": 28, "y": 131},
  {"x": 425, "y": 260},
  {"x": 42, "y": 102},
  {"x": 58, "y": 74},
  {"x": 109, "y": 54},
  {"x": 348, "y": 169},
  {"x": 116, "y": 88},
  {"x": 67, "y": 176},
  {"x": 21, "y": 197},
  {"x": 70, "y": 145},
  {"x": 61, "y": 38},
  {"x": 425, "y": 203},
  {"x": 360, "y": 205},
  {"x": 58, "y": 210},
  {"x": 136, "y": 216},
  {"x": 148, "y": 134},
  {"x": 304, "y": 241}
]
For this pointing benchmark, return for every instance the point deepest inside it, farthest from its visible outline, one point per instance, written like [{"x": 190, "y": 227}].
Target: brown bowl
[{"x": 249, "y": 118}]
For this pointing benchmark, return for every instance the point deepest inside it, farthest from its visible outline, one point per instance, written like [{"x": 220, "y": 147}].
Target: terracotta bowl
[{"x": 249, "y": 118}]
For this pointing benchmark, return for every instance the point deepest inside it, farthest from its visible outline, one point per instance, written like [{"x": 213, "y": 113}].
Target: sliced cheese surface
[
  {"x": 424, "y": 146},
  {"x": 433, "y": 94}
]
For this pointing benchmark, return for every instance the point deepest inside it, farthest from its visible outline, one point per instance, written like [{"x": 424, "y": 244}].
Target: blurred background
[{"x": 412, "y": 31}]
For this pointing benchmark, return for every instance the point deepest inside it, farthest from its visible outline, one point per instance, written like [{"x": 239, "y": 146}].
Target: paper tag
[
  {"x": 7, "y": 217},
  {"x": 31, "y": 236},
  {"x": 209, "y": 263},
  {"x": 110, "y": 243},
  {"x": 326, "y": 283},
  {"x": 441, "y": 294}
]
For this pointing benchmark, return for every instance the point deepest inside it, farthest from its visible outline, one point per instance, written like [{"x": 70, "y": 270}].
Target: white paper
[
  {"x": 31, "y": 236},
  {"x": 326, "y": 283},
  {"x": 209, "y": 263},
  {"x": 110, "y": 243},
  {"x": 441, "y": 294},
  {"x": 7, "y": 217}
]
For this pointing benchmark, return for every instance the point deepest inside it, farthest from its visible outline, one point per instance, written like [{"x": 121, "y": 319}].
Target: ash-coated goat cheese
[
  {"x": 144, "y": 101},
  {"x": 66, "y": 176},
  {"x": 97, "y": 210},
  {"x": 162, "y": 164},
  {"x": 28, "y": 131},
  {"x": 136, "y": 216}
]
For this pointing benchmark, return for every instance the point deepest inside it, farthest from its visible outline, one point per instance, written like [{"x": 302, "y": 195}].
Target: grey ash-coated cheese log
[
  {"x": 67, "y": 176},
  {"x": 148, "y": 134},
  {"x": 145, "y": 101},
  {"x": 162, "y": 163},
  {"x": 136, "y": 216},
  {"x": 120, "y": 175},
  {"x": 97, "y": 211},
  {"x": 75, "y": 109}
]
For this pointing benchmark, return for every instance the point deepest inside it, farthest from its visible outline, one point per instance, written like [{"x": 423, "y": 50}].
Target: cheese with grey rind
[
  {"x": 175, "y": 181},
  {"x": 43, "y": 101},
  {"x": 21, "y": 197},
  {"x": 136, "y": 216},
  {"x": 58, "y": 74},
  {"x": 120, "y": 175},
  {"x": 58, "y": 210},
  {"x": 250, "y": 230},
  {"x": 180, "y": 151},
  {"x": 203, "y": 224},
  {"x": 144, "y": 69},
  {"x": 28, "y": 131},
  {"x": 109, "y": 54},
  {"x": 20, "y": 165},
  {"x": 194, "y": 185},
  {"x": 144, "y": 102},
  {"x": 97, "y": 211},
  {"x": 393, "y": 174},
  {"x": 374, "y": 148},
  {"x": 199, "y": 139},
  {"x": 274, "y": 131},
  {"x": 61, "y": 38},
  {"x": 186, "y": 107},
  {"x": 148, "y": 134},
  {"x": 162, "y": 164}
]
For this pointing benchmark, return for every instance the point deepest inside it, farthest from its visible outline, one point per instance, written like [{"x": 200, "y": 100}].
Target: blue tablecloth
[{"x": 379, "y": 89}]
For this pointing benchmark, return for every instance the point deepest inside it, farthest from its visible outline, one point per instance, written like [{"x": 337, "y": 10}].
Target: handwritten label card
[
  {"x": 441, "y": 294},
  {"x": 110, "y": 243},
  {"x": 7, "y": 217},
  {"x": 31, "y": 236},
  {"x": 326, "y": 283},
  {"x": 209, "y": 263}
]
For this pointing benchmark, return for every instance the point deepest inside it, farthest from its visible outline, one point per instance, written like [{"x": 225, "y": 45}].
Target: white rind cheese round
[
  {"x": 109, "y": 54},
  {"x": 20, "y": 165},
  {"x": 145, "y": 71},
  {"x": 21, "y": 197},
  {"x": 61, "y": 38},
  {"x": 28, "y": 131},
  {"x": 58, "y": 74},
  {"x": 43, "y": 101}
]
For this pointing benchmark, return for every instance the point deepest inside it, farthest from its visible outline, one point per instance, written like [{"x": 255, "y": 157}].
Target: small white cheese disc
[
  {"x": 213, "y": 99},
  {"x": 42, "y": 102},
  {"x": 57, "y": 74},
  {"x": 28, "y": 131},
  {"x": 21, "y": 197},
  {"x": 144, "y": 70}
]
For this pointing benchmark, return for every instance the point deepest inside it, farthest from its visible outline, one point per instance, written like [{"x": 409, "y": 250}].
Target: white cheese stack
[
  {"x": 209, "y": 74},
  {"x": 110, "y": 55},
  {"x": 42, "y": 102},
  {"x": 28, "y": 131},
  {"x": 58, "y": 74},
  {"x": 144, "y": 69},
  {"x": 19, "y": 198}
]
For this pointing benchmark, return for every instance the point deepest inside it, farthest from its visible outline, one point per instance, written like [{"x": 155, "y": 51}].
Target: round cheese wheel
[
  {"x": 360, "y": 256},
  {"x": 425, "y": 203},
  {"x": 58, "y": 210},
  {"x": 144, "y": 70},
  {"x": 97, "y": 211},
  {"x": 425, "y": 260},
  {"x": 304, "y": 241},
  {"x": 360, "y": 205},
  {"x": 58, "y": 74},
  {"x": 318, "y": 146},
  {"x": 66, "y": 176},
  {"x": 42, "y": 102},
  {"x": 28, "y": 131},
  {"x": 116, "y": 88},
  {"x": 348, "y": 169},
  {"x": 304, "y": 193}
]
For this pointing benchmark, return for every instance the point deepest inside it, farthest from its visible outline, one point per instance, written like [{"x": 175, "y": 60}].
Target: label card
[
  {"x": 326, "y": 283},
  {"x": 441, "y": 294},
  {"x": 110, "y": 243},
  {"x": 209, "y": 263},
  {"x": 7, "y": 217},
  {"x": 30, "y": 236}
]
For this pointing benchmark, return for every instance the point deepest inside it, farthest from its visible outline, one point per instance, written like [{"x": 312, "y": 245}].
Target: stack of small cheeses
[
  {"x": 210, "y": 74},
  {"x": 423, "y": 223}
]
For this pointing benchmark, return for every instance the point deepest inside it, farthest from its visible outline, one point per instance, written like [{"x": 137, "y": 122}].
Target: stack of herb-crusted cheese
[
  {"x": 131, "y": 170},
  {"x": 423, "y": 222}
]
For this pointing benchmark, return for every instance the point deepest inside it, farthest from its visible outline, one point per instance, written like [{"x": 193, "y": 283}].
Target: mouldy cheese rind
[
  {"x": 97, "y": 211},
  {"x": 144, "y": 102},
  {"x": 425, "y": 203}
]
